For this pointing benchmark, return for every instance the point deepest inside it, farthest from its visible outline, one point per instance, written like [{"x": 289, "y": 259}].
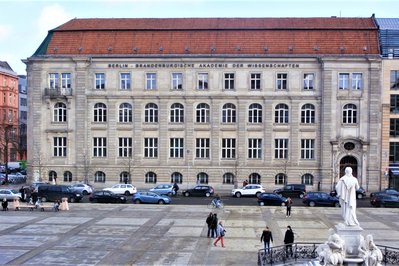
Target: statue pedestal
[{"x": 351, "y": 236}]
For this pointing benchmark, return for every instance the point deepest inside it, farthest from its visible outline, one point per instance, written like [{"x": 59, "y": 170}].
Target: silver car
[
  {"x": 9, "y": 194},
  {"x": 82, "y": 188},
  {"x": 164, "y": 189}
]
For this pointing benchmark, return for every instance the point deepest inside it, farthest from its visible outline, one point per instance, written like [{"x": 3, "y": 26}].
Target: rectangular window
[
  {"x": 394, "y": 152},
  {"x": 53, "y": 81},
  {"x": 177, "y": 81},
  {"x": 308, "y": 81},
  {"x": 343, "y": 81},
  {"x": 281, "y": 148},
  {"x": 151, "y": 147},
  {"x": 394, "y": 103},
  {"x": 60, "y": 146},
  {"x": 255, "y": 81},
  {"x": 357, "y": 81},
  {"x": 229, "y": 81},
  {"x": 151, "y": 81},
  {"x": 176, "y": 148},
  {"x": 202, "y": 81},
  {"x": 100, "y": 81},
  {"x": 282, "y": 81},
  {"x": 99, "y": 147},
  {"x": 202, "y": 148},
  {"x": 125, "y": 147},
  {"x": 254, "y": 148},
  {"x": 394, "y": 127},
  {"x": 228, "y": 148},
  {"x": 394, "y": 79},
  {"x": 307, "y": 149},
  {"x": 66, "y": 80},
  {"x": 125, "y": 81}
]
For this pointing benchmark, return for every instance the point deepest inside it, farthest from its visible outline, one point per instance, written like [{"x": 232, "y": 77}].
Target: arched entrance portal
[{"x": 348, "y": 161}]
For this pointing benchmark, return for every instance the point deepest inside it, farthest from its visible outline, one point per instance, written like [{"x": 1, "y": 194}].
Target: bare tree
[
  {"x": 86, "y": 167},
  {"x": 38, "y": 166}
]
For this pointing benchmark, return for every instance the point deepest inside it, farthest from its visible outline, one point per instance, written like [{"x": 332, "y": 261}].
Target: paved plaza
[{"x": 127, "y": 234}]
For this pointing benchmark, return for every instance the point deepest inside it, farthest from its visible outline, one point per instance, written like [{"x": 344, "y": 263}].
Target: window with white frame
[
  {"x": 349, "y": 114},
  {"x": 281, "y": 114},
  {"x": 308, "y": 81},
  {"x": 228, "y": 148},
  {"x": 357, "y": 81},
  {"x": 124, "y": 177},
  {"x": 125, "y": 147},
  {"x": 60, "y": 146},
  {"x": 151, "y": 81},
  {"x": 229, "y": 81},
  {"x": 177, "y": 81},
  {"x": 281, "y": 148},
  {"x": 280, "y": 179},
  {"x": 99, "y": 177},
  {"x": 343, "y": 81},
  {"x": 52, "y": 176},
  {"x": 229, "y": 113},
  {"x": 202, "y": 113},
  {"x": 307, "y": 149},
  {"x": 100, "y": 81},
  {"x": 176, "y": 177},
  {"x": 53, "y": 79},
  {"x": 254, "y": 178},
  {"x": 66, "y": 82},
  {"x": 255, "y": 113},
  {"x": 151, "y": 177},
  {"x": 202, "y": 81},
  {"x": 228, "y": 178},
  {"x": 254, "y": 148},
  {"x": 67, "y": 176},
  {"x": 176, "y": 148},
  {"x": 202, "y": 148},
  {"x": 60, "y": 112},
  {"x": 282, "y": 81},
  {"x": 125, "y": 81},
  {"x": 100, "y": 113},
  {"x": 307, "y": 179},
  {"x": 99, "y": 147},
  {"x": 177, "y": 113},
  {"x": 255, "y": 81},
  {"x": 151, "y": 147},
  {"x": 125, "y": 113},
  {"x": 308, "y": 115},
  {"x": 202, "y": 178},
  {"x": 151, "y": 113}
]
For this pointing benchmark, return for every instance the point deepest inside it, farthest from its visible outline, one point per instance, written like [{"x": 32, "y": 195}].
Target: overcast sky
[{"x": 24, "y": 23}]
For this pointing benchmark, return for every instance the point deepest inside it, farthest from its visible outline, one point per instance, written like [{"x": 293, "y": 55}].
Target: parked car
[
  {"x": 9, "y": 194},
  {"x": 82, "y": 188},
  {"x": 199, "y": 190},
  {"x": 36, "y": 184},
  {"x": 57, "y": 192},
  {"x": 248, "y": 190},
  {"x": 385, "y": 200},
  {"x": 360, "y": 193},
  {"x": 292, "y": 190},
  {"x": 320, "y": 199},
  {"x": 389, "y": 191},
  {"x": 104, "y": 196},
  {"x": 271, "y": 199},
  {"x": 150, "y": 197},
  {"x": 123, "y": 189},
  {"x": 163, "y": 189}
]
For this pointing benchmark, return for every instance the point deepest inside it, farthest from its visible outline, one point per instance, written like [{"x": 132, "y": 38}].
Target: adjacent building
[
  {"x": 23, "y": 115},
  {"x": 211, "y": 101}
]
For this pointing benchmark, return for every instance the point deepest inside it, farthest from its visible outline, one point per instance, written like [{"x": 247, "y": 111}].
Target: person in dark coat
[
  {"x": 289, "y": 204},
  {"x": 288, "y": 240},
  {"x": 22, "y": 191},
  {"x": 35, "y": 196},
  {"x": 267, "y": 237},
  {"x": 209, "y": 223},
  {"x": 214, "y": 225},
  {"x": 4, "y": 204}
]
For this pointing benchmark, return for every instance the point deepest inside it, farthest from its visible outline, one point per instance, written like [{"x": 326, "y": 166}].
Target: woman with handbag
[{"x": 220, "y": 234}]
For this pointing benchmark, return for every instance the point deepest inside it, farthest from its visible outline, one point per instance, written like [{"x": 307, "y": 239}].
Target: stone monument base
[{"x": 351, "y": 235}]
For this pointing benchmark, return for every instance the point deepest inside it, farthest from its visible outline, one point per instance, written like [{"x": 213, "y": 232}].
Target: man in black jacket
[
  {"x": 266, "y": 237},
  {"x": 288, "y": 240}
]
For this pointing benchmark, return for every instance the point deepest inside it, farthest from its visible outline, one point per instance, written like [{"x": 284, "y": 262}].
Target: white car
[
  {"x": 248, "y": 190},
  {"x": 125, "y": 189},
  {"x": 9, "y": 194}
]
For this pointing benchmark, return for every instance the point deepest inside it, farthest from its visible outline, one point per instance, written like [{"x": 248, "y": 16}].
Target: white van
[{"x": 14, "y": 165}]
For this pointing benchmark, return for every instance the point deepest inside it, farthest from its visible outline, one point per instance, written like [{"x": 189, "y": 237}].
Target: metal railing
[{"x": 57, "y": 92}]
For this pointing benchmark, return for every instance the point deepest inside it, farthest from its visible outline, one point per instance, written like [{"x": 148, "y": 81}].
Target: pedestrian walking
[
  {"x": 289, "y": 204},
  {"x": 220, "y": 234},
  {"x": 209, "y": 223},
  {"x": 267, "y": 238},
  {"x": 4, "y": 204},
  {"x": 289, "y": 240},
  {"x": 22, "y": 191},
  {"x": 214, "y": 225}
]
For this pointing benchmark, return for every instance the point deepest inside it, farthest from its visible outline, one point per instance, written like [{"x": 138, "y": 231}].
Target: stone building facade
[{"x": 213, "y": 101}]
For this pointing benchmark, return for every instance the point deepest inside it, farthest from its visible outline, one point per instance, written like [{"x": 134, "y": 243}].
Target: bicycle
[{"x": 212, "y": 205}]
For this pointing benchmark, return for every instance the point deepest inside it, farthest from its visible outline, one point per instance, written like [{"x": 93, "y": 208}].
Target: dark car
[
  {"x": 389, "y": 191},
  {"x": 150, "y": 197},
  {"x": 292, "y": 190},
  {"x": 271, "y": 199},
  {"x": 320, "y": 199},
  {"x": 360, "y": 193},
  {"x": 104, "y": 196},
  {"x": 199, "y": 190},
  {"x": 57, "y": 192},
  {"x": 385, "y": 200}
]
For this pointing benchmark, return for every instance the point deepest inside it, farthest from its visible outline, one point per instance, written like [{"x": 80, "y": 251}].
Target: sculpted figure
[
  {"x": 332, "y": 252},
  {"x": 371, "y": 254},
  {"x": 346, "y": 191}
]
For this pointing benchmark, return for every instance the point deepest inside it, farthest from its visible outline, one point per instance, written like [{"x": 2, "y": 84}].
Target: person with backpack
[
  {"x": 289, "y": 240},
  {"x": 267, "y": 237},
  {"x": 220, "y": 234}
]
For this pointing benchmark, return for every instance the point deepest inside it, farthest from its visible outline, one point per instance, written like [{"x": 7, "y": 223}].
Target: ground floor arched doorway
[{"x": 348, "y": 161}]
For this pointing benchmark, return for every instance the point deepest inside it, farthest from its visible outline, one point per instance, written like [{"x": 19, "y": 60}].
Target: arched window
[
  {"x": 99, "y": 177},
  {"x": 124, "y": 177},
  {"x": 60, "y": 112},
  {"x": 228, "y": 178},
  {"x": 280, "y": 179},
  {"x": 254, "y": 178},
  {"x": 349, "y": 114},
  {"x": 307, "y": 179},
  {"x": 229, "y": 113},
  {"x": 281, "y": 114},
  {"x": 308, "y": 114},
  {"x": 177, "y": 113},
  {"x": 52, "y": 175},
  {"x": 67, "y": 176},
  {"x": 255, "y": 113},
  {"x": 151, "y": 177},
  {"x": 100, "y": 112},
  {"x": 203, "y": 113},
  {"x": 151, "y": 113},
  {"x": 202, "y": 178},
  {"x": 125, "y": 113},
  {"x": 176, "y": 177}
]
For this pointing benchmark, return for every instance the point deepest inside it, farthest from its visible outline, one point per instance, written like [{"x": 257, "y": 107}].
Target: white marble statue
[
  {"x": 371, "y": 254},
  {"x": 346, "y": 191},
  {"x": 332, "y": 252}
]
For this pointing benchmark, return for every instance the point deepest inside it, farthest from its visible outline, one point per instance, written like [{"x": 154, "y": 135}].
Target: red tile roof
[{"x": 228, "y": 36}]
